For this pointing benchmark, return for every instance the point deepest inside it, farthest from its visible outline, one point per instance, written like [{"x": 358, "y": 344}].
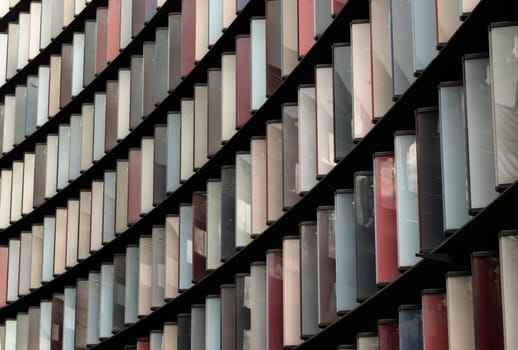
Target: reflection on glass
[
  {"x": 290, "y": 154},
  {"x": 259, "y": 183},
  {"x": 435, "y": 319},
  {"x": 367, "y": 341},
  {"x": 175, "y": 50},
  {"x": 215, "y": 18},
  {"x": 93, "y": 308},
  {"x": 459, "y": 302},
  {"x": 258, "y": 69},
  {"x": 504, "y": 81},
  {"x": 362, "y": 79},
  {"x": 508, "y": 260},
  {"x": 96, "y": 216},
  {"x": 90, "y": 46},
  {"x": 123, "y": 104},
  {"x": 326, "y": 256},
  {"x": 60, "y": 241},
  {"x": 258, "y": 306},
  {"x": 37, "y": 256},
  {"x": 136, "y": 88},
  {"x": 173, "y": 151},
  {"x": 402, "y": 46},
  {"x": 119, "y": 290},
  {"x": 274, "y": 45},
  {"x": 188, "y": 35},
  {"x": 49, "y": 229},
  {"x": 274, "y": 316},
  {"x": 149, "y": 63},
  {"x": 228, "y": 317},
  {"x": 243, "y": 80},
  {"x": 132, "y": 285},
  {"x": 243, "y": 216},
  {"x": 448, "y": 20},
  {"x": 289, "y": 36},
  {"x": 452, "y": 124},
  {"x": 308, "y": 279},
  {"x": 291, "y": 290},
  {"x": 134, "y": 186},
  {"x": 406, "y": 198},
  {"x": 24, "y": 263},
  {"x": 274, "y": 170},
  {"x": 147, "y": 146},
  {"x": 228, "y": 96},
  {"x": 228, "y": 211},
  {"x": 199, "y": 235},
  {"x": 324, "y": 108},
  {"x": 121, "y": 196},
  {"x": 212, "y": 322},
  {"x": 214, "y": 81},
  {"x": 172, "y": 230},
  {"x": 342, "y": 90},
  {"x": 365, "y": 235},
  {"x": 307, "y": 138},
  {"x": 201, "y": 17},
  {"x": 108, "y": 232},
  {"x": 213, "y": 240},
  {"x": 161, "y": 74},
  {"x": 479, "y": 132},
  {"x": 423, "y": 34},
  {"x": 145, "y": 275},
  {"x": 185, "y": 244},
  {"x": 385, "y": 218},
  {"x": 429, "y": 178},
  {"x": 106, "y": 301},
  {"x": 158, "y": 266},
  {"x": 16, "y": 191},
  {"x": 242, "y": 311},
  {"x": 170, "y": 335},
  {"x": 200, "y": 125},
  {"x": 101, "y": 32},
  {"x": 322, "y": 17},
  {"x": 306, "y": 22},
  {"x": 186, "y": 139}
]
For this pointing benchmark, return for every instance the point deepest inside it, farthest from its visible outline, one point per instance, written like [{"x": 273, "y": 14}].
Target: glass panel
[
  {"x": 201, "y": 29},
  {"x": 124, "y": 104},
  {"x": 435, "y": 319},
  {"x": 63, "y": 156},
  {"x": 274, "y": 170},
  {"x": 459, "y": 303},
  {"x": 96, "y": 223},
  {"x": 158, "y": 267},
  {"x": 187, "y": 139},
  {"x": 324, "y": 125},
  {"x": 101, "y": 48},
  {"x": 106, "y": 301},
  {"x": 60, "y": 241},
  {"x": 259, "y": 183},
  {"x": 172, "y": 230},
  {"x": 131, "y": 293},
  {"x": 228, "y": 96},
  {"x": 93, "y": 308},
  {"x": 388, "y": 334},
  {"x": 243, "y": 214},
  {"x": 308, "y": 280},
  {"x": 175, "y": 50},
  {"x": 114, "y": 30},
  {"x": 243, "y": 80},
  {"x": 173, "y": 151},
  {"x": 121, "y": 196},
  {"x": 83, "y": 242},
  {"x": 197, "y": 327},
  {"x": 161, "y": 64},
  {"x": 200, "y": 125},
  {"x": 109, "y": 194},
  {"x": 90, "y": 46},
  {"x": 214, "y": 78},
  {"x": 199, "y": 235},
  {"x": 289, "y": 36},
  {"x": 402, "y": 46},
  {"x": 145, "y": 262},
  {"x": 188, "y": 35},
  {"x": 136, "y": 88},
  {"x": 410, "y": 327},
  {"x": 274, "y": 310},
  {"x": 119, "y": 284},
  {"x": 307, "y": 149},
  {"x": 212, "y": 322},
  {"x": 243, "y": 311},
  {"x": 306, "y": 21},
  {"x": 290, "y": 153},
  {"x": 342, "y": 102},
  {"x": 257, "y": 64},
  {"x": 213, "y": 242},
  {"x": 447, "y": 20},
  {"x": 291, "y": 291},
  {"x": 148, "y": 88},
  {"x": 134, "y": 190},
  {"x": 78, "y": 63},
  {"x": 159, "y": 164},
  {"x": 228, "y": 317},
  {"x": 49, "y": 231},
  {"x": 258, "y": 305},
  {"x": 146, "y": 174},
  {"x": 72, "y": 232},
  {"x": 423, "y": 31},
  {"x": 508, "y": 260},
  {"x": 185, "y": 256},
  {"x": 228, "y": 211}
]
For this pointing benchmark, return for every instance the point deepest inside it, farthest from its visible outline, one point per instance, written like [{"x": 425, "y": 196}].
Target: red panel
[
  {"x": 388, "y": 335},
  {"x": 188, "y": 35},
  {"x": 134, "y": 186},
  {"x": 114, "y": 28},
  {"x": 4, "y": 254},
  {"x": 243, "y": 80},
  {"x": 273, "y": 46},
  {"x": 101, "y": 39},
  {"x": 143, "y": 344},
  {"x": 487, "y": 302},
  {"x": 337, "y": 6},
  {"x": 199, "y": 231},
  {"x": 228, "y": 317},
  {"x": 306, "y": 25},
  {"x": 274, "y": 299},
  {"x": 435, "y": 320},
  {"x": 112, "y": 99},
  {"x": 386, "y": 225}
]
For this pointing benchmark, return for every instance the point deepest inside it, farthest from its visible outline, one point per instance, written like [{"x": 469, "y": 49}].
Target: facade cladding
[{"x": 252, "y": 175}]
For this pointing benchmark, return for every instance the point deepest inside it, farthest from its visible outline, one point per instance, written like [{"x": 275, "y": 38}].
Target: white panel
[
  {"x": 5, "y": 197},
  {"x": 13, "y": 270},
  {"x": 96, "y": 223},
  {"x": 200, "y": 125},
  {"x": 3, "y": 57},
  {"x": 126, "y": 17},
  {"x": 99, "y": 124},
  {"x": 72, "y": 232},
  {"x": 123, "y": 108},
  {"x": 17, "y": 191},
  {"x": 9, "y": 122},
  {"x": 187, "y": 132},
  {"x": 23, "y": 39},
  {"x": 325, "y": 120},
  {"x": 46, "y": 23},
  {"x": 42, "y": 114},
  {"x": 215, "y": 20},
  {"x": 106, "y": 301},
  {"x": 49, "y": 228},
  {"x": 87, "y": 137},
  {"x": 74, "y": 169},
  {"x": 69, "y": 317},
  {"x": 35, "y": 30},
  {"x": 257, "y": 63},
  {"x": 228, "y": 96},
  {"x": 78, "y": 62},
  {"x": 202, "y": 31},
  {"x": 146, "y": 176}
]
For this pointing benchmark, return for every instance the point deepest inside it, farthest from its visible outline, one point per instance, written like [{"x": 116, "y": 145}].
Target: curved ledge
[
  {"x": 12, "y": 15},
  {"x": 31, "y": 68}
]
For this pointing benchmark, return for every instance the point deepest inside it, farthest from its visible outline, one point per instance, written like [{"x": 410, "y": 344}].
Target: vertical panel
[
  {"x": 87, "y": 136},
  {"x": 72, "y": 232},
  {"x": 508, "y": 259},
  {"x": 81, "y": 318},
  {"x": 60, "y": 241},
  {"x": 322, "y": 18},
  {"x": 201, "y": 40},
  {"x": 119, "y": 290},
  {"x": 368, "y": 341},
  {"x": 481, "y": 165},
  {"x": 106, "y": 301},
  {"x": 324, "y": 115},
  {"x": 487, "y": 302},
  {"x": 134, "y": 179},
  {"x": 385, "y": 218},
  {"x": 467, "y": 6},
  {"x": 173, "y": 151},
  {"x": 33, "y": 336},
  {"x": 452, "y": 125},
  {"x": 146, "y": 174},
  {"x": 24, "y": 278},
  {"x": 99, "y": 126},
  {"x": 503, "y": 101},
  {"x": 131, "y": 293},
  {"x": 34, "y": 30},
  {"x": 362, "y": 79},
  {"x": 45, "y": 324},
  {"x": 148, "y": 90},
  {"x": 56, "y": 329},
  {"x": 288, "y": 35},
  {"x": 111, "y": 114},
  {"x": 381, "y": 56},
  {"x": 126, "y": 17},
  {"x": 13, "y": 270},
  {"x": 273, "y": 45},
  {"x": 78, "y": 62},
  {"x": 326, "y": 266},
  {"x": 229, "y": 12},
  {"x": 258, "y": 306},
  {"x": 145, "y": 275},
  {"x": 160, "y": 164},
  {"x": 31, "y": 105},
  {"x": 342, "y": 100},
  {"x": 3, "y": 57},
  {"x": 114, "y": 30},
  {"x": 64, "y": 142},
  {"x": 43, "y": 95},
  {"x": 410, "y": 327},
  {"x": 136, "y": 88},
  {"x": 40, "y": 160},
  {"x": 20, "y": 114},
  {"x": 228, "y": 212},
  {"x": 175, "y": 50},
  {"x": 46, "y": 23},
  {"x": 459, "y": 303},
  {"x": 242, "y": 311},
  {"x": 423, "y": 34},
  {"x": 406, "y": 199},
  {"x": 200, "y": 125},
  {"x": 448, "y": 20},
  {"x": 274, "y": 326},
  {"x": 69, "y": 315},
  {"x": 83, "y": 241},
  {"x": 243, "y": 216},
  {"x": 161, "y": 64},
  {"x": 258, "y": 65},
  {"x": 187, "y": 139},
  {"x": 57, "y": 18},
  {"x": 37, "y": 256},
  {"x": 10, "y": 334},
  {"x": 215, "y": 14},
  {"x": 121, "y": 197},
  {"x": 307, "y": 138},
  {"x": 429, "y": 182},
  {"x": 188, "y": 35},
  {"x": 93, "y": 308},
  {"x": 124, "y": 104},
  {"x": 170, "y": 336},
  {"x": 28, "y": 183},
  {"x": 6, "y": 180},
  {"x": 213, "y": 322},
  {"x": 435, "y": 319},
  {"x": 388, "y": 334},
  {"x": 184, "y": 331},
  {"x": 214, "y": 116},
  {"x": 291, "y": 290},
  {"x": 109, "y": 196},
  {"x": 345, "y": 243},
  {"x": 274, "y": 170},
  {"x": 96, "y": 217},
  {"x": 22, "y": 330},
  {"x": 228, "y": 317},
  {"x": 101, "y": 32},
  {"x": 243, "y": 80},
  {"x": 138, "y": 13},
  {"x": 16, "y": 191},
  {"x": 54, "y": 85},
  {"x": 306, "y": 21},
  {"x": 199, "y": 234},
  {"x": 309, "y": 279},
  {"x": 185, "y": 248},
  {"x": 213, "y": 241},
  {"x": 402, "y": 45},
  {"x": 4, "y": 260},
  {"x": 259, "y": 183},
  {"x": 66, "y": 75},
  {"x": 9, "y": 123},
  {"x": 228, "y": 96},
  {"x": 90, "y": 47},
  {"x": 12, "y": 49},
  {"x": 172, "y": 231},
  {"x": 158, "y": 267}
]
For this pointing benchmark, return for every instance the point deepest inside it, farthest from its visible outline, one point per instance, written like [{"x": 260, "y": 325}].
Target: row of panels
[{"x": 274, "y": 306}]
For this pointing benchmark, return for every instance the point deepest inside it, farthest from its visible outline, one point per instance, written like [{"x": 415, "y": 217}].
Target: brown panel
[
  {"x": 66, "y": 75},
  {"x": 56, "y": 329},
  {"x": 199, "y": 231},
  {"x": 148, "y": 53},
  {"x": 228, "y": 317},
  {"x": 101, "y": 39},
  {"x": 145, "y": 267},
  {"x": 134, "y": 186},
  {"x": 273, "y": 45},
  {"x": 81, "y": 314},
  {"x": 40, "y": 174},
  {"x": 172, "y": 227},
  {"x": 114, "y": 28},
  {"x": 214, "y": 111},
  {"x": 242, "y": 80},
  {"x": 175, "y": 50},
  {"x": 85, "y": 207},
  {"x": 112, "y": 100},
  {"x": 34, "y": 327},
  {"x": 60, "y": 241},
  {"x": 188, "y": 35}
]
